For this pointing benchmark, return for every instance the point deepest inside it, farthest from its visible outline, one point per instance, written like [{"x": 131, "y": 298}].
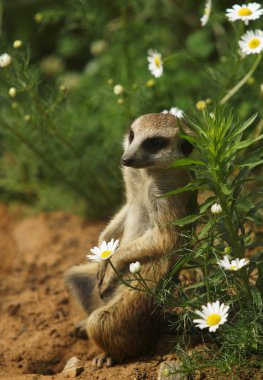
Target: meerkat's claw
[{"x": 100, "y": 359}]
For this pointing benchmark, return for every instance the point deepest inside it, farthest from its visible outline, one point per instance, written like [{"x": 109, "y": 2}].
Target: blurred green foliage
[{"x": 61, "y": 135}]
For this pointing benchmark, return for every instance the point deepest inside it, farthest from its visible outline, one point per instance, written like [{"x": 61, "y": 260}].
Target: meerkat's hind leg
[{"x": 82, "y": 282}]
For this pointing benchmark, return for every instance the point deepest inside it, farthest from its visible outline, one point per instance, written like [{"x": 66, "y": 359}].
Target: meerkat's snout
[
  {"x": 126, "y": 161},
  {"x": 153, "y": 141}
]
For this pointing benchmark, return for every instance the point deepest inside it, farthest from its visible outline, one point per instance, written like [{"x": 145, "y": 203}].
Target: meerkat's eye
[
  {"x": 154, "y": 144},
  {"x": 131, "y": 136},
  {"x": 186, "y": 147}
]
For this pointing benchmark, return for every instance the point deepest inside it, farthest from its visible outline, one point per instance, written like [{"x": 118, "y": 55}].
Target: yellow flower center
[
  {"x": 254, "y": 43},
  {"x": 157, "y": 61},
  {"x": 213, "y": 319},
  {"x": 233, "y": 267},
  {"x": 244, "y": 12},
  {"x": 105, "y": 254}
]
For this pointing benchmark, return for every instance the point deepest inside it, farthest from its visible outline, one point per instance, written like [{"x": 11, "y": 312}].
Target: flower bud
[
  {"x": 135, "y": 267},
  {"x": 17, "y": 44},
  {"x": 251, "y": 80},
  {"x": 38, "y": 17},
  {"x": 118, "y": 89},
  {"x": 5, "y": 60},
  {"x": 150, "y": 83},
  {"x": 98, "y": 47},
  {"x": 200, "y": 105},
  {"x": 227, "y": 250},
  {"x": 12, "y": 92},
  {"x": 216, "y": 209},
  {"x": 14, "y": 105}
]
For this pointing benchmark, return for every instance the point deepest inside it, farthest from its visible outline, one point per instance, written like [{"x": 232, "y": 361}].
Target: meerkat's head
[{"x": 153, "y": 142}]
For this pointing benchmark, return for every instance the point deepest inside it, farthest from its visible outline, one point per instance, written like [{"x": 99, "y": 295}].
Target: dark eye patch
[
  {"x": 131, "y": 136},
  {"x": 186, "y": 147},
  {"x": 154, "y": 144}
]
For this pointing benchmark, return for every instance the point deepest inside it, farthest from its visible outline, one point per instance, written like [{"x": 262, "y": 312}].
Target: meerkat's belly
[{"x": 136, "y": 223}]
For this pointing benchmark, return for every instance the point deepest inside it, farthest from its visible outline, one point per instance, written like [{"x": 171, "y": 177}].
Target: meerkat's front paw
[
  {"x": 100, "y": 359},
  {"x": 106, "y": 289},
  {"x": 108, "y": 283},
  {"x": 101, "y": 272}
]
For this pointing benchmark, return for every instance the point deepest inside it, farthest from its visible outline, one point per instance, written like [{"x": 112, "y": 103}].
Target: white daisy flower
[
  {"x": 234, "y": 265},
  {"x": 104, "y": 251},
  {"x": 245, "y": 12},
  {"x": 175, "y": 111},
  {"x": 135, "y": 267},
  {"x": 212, "y": 316},
  {"x": 252, "y": 42},
  {"x": 155, "y": 63},
  {"x": 207, "y": 11},
  {"x": 216, "y": 209},
  {"x": 5, "y": 60}
]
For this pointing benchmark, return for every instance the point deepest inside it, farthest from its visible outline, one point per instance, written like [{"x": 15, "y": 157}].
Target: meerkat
[{"x": 124, "y": 323}]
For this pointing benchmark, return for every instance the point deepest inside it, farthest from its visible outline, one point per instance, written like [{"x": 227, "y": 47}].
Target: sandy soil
[{"x": 37, "y": 316}]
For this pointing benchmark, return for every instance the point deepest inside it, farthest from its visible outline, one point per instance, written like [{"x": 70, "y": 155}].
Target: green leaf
[
  {"x": 186, "y": 162},
  {"x": 243, "y": 126},
  {"x": 205, "y": 229},
  {"x": 257, "y": 297},
  {"x": 189, "y": 138},
  {"x": 225, "y": 189},
  {"x": 253, "y": 156},
  {"x": 204, "y": 206},
  {"x": 186, "y": 220},
  {"x": 251, "y": 165},
  {"x": 181, "y": 263},
  {"x": 192, "y": 186},
  {"x": 246, "y": 143}
]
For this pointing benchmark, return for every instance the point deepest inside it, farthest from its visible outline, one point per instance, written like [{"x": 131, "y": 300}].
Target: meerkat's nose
[{"x": 127, "y": 161}]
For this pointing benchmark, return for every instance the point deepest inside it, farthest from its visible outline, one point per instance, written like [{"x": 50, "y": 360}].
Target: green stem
[
  {"x": 143, "y": 281},
  {"x": 245, "y": 280},
  {"x": 232, "y": 233},
  {"x": 242, "y": 82},
  {"x": 122, "y": 280},
  {"x": 206, "y": 279},
  {"x": 170, "y": 57},
  {"x": 206, "y": 262},
  {"x": 234, "y": 242}
]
